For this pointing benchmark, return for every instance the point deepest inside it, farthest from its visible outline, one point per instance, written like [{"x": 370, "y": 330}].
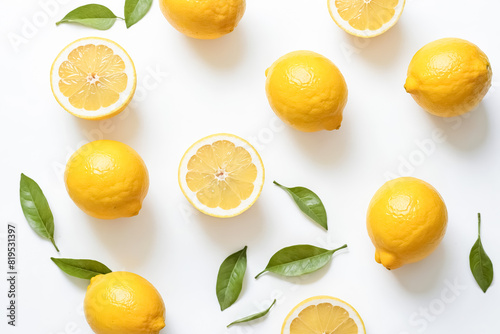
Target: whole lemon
[
  {"x": 123, "y": 303},
  {"x": 307, "y": 91},
  {"x": 107, "y": 179},
  {"x": 449, "y": 77},
  {"x": 203, "y": 19},
  {"x": 406, "y": 221}
]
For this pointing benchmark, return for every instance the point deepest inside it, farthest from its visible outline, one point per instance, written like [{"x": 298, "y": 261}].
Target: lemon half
[
  {"x": 323, "y": 314},
  {"x": 366, "y": 18},
  {"x": 93, "y": 78},
  {"x": 221, "y": 175}
]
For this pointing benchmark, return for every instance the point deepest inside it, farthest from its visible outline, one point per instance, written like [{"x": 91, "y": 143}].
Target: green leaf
[
  {"x": 480, "y": 264},
  {"x": 309, "y": 203},
  {"x": 230, "y": 278},
  {"x": 85, "y": 269},
  {"x": 93, "y": 16},
  {"x": 36, "y": 209},
  {"x": 299, "y": 260},
  {"x": 135, "y": 10},
  {"x": 253, "y": 316}
]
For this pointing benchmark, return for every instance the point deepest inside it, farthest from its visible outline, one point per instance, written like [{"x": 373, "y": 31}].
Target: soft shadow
[
  {"x": 121, "y": 127},
  {"x": 383, "y": 49},
  {"x": 224, "y": 52},
  {"x": 78, "y": 282},
  {"x": 422, "y": 276},
  {"x": 246, "y": 226},
  {"x": 130, "y": 240},
  {"x": 465, "y": 132},
  {"x": 326, "y": 147}
]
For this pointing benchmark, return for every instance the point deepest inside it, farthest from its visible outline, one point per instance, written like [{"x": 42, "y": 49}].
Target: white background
[{"x": 206, "y": 87}]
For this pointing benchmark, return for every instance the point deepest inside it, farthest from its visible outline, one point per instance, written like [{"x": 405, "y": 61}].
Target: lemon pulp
[
  {"x": 92, "y": 77},
  {"x": 323, "y": 315},
  {"x": 366, "y": 18},
  {"x": 323, "y": 318},
  {"x": 221, "y": 174},
  {"x": 366, "y": 14}
]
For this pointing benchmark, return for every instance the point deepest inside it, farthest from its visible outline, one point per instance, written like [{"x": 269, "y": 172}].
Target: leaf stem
[
  {"x": 54, "y": 243},
  {"x": 479, "y": 225},
  {"x": 260, "y": 274},
  {"x": 279, "y": 185},
  {"x": 342, "y": 247}
]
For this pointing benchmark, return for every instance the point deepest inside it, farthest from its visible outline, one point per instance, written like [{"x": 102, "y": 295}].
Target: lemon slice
[
  {"x": 366, "y": 18},
  {"x": 323, "y": 315},
  {"x": 93, "y": 78},
  {"x": 221, "y": 175}
]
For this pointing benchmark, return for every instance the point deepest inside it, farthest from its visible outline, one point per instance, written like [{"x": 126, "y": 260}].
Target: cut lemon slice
[
  {"x": 323, "y": 315},
  {"x": 366, "y": 18},
  {"x": 93, "y": 78},
  {"x": 221, "y": 175}
]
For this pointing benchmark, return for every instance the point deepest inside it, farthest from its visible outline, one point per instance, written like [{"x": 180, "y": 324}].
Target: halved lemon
[
  {"x": 221, "y": 175},
  {"x": 93, "y": 78},
  {"x": 366, "y": 18},
  {"x": 323, "y": 315}
]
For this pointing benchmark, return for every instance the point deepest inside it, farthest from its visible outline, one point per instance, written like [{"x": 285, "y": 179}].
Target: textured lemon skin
[
  {"x": 123, "y": 303},
  {"x": 107, "y": 179},
  {"x": 307, "y": 91},
  {"x": 449, "y": 77},
  {"x": 406, "y": 221},
  {"x": 203, "y": 19}
]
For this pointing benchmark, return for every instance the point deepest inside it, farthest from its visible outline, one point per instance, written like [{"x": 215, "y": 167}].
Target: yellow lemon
[
  {"x": 323, "y": 314},
  {"x": 93, "y": 78},
  {"x": 406, "y": 221},
  {"x": 449, "y": 77},
  {"x": 107, "y": 179},
  {"x": 307, "y": 91},
  {"x": 123, "y": 303},
  {"x": 221, "y": 175},
  {"x": 366, "y": 18},
  {"x": 203, "y": 19}
]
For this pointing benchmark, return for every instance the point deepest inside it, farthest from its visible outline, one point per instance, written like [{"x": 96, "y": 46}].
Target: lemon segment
[
  {"x": 221, "y": 175},
  {"x": 93, "y": 78},
  {"x": 366, "y": 18},
  {"x": 323, "y": 314}
]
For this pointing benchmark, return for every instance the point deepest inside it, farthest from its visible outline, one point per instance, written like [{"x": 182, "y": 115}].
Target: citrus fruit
[
  {"x": 203, "y": 19},
  {"x": 323, "y": 314},
  {"x": 307, "y": 91},
  {"x": 107, "y": 179},
  {"x": 449, "y": 77},
  {"x": 366, "y": 18},
  {"x": 221, "y": 175},
  {"x": 123, "y": 303},
  {"x": 406, "y": 221},
  {"x": 93, "y": 78}
]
